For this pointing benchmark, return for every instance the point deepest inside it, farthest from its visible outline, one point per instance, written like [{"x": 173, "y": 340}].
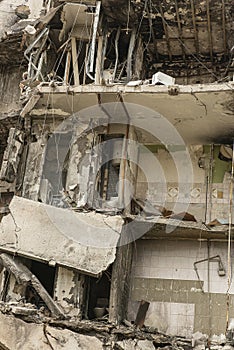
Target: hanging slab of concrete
[{"x": 83, "y": 241}]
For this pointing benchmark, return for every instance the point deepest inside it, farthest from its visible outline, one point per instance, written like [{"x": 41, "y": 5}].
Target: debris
[
  {"x": 30, "y": 30},
  {"x": 182, "y": 216},
  {"x": 218, "y": 339},
  {"x": 23, "y": 311},
  {"x": 134, "y": 83},
  {"x": 199, "y": 338},
  {"x": 145, "y": 207},
  {"x": 25, "y": 276},
  {"x": 162, "y": 78},
  {"x": 141, "y": 314},
  {"x": 226, "y": 153},
  {"x": 22, "y": 11},
  {"x": 218, "y": 222}
]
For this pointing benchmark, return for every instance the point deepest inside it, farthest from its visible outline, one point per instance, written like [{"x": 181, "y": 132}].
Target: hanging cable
[{"x": 229, "y": 270}]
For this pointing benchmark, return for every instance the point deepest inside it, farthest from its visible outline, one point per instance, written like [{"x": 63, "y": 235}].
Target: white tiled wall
[
  {"x": 175, "y": 259},
  {"x": 171, "y": 318}
]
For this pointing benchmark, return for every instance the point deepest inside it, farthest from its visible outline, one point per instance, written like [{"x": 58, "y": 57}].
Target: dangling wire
[
  {"x": 229, "y": 272},
  {"x": 129, "y": 9}
]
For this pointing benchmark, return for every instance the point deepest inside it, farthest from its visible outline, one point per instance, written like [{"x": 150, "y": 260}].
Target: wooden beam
[
  {"x": 141, "y": 314},
  {"x": 67, "y": 68},
  {"x": 98, "y": 71},
  {"x": 130, "y": 53},
  {"x": 75, "y": 62},
  {"x": 24, "y": 276},
  {"x": 86, "y": 60},
  {"x": 120, "y": 281},
  {"x": 29, "y": 105}
]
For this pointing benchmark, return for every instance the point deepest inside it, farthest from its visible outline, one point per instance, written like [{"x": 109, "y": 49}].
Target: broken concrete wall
[
  {"x": 10, "y": 93},
  {"x": 12, "y": 154},
  {"x": 34, "y": 168},
  {"x": 69, "y": 290},
  {"x": 130, "y": 172},
  {"x": 10, "y": 105},
  {"x": 12, "y": 291},
  {"x": 163, "y": 274}
]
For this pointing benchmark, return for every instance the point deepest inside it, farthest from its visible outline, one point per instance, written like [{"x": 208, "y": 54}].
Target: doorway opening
[
  {"x": 46, "y": 275},
  {"x": 98, "y": 295}
]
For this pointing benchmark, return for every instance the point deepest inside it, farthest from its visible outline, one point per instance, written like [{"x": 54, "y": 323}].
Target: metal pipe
[
  {"x": 216, "y": 258},
  {"x": 45, "y": 31},
  {"x": 116, "y": 52},
  {"x": 208, "y": 285},
  {"x": 90, "y": 65}
]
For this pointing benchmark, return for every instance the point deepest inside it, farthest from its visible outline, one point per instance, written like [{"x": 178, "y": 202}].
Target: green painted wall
[{"x": 209, "y": 320}]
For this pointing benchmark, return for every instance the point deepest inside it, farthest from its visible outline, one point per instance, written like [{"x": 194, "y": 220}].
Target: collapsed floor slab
[{"x": 37, "y": 230}]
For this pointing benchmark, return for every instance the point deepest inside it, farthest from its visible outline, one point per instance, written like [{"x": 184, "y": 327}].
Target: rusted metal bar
[
  {"x": 209, "y": 29},
  {"x": 75, "y": 62},
  {"x": 224, "y": 26},
  {"x": 194, "y": 26},
  {"x": 152, "y": 32},
  {"x": 141, "y": 314},
  {"x": 165, "y": 31},
  {"x": 180, "y": 31}
]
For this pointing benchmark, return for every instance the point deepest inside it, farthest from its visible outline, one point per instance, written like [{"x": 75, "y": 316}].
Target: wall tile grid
[
  {"x": 163, "y": 274},
  {"x": 167, "y": 195},
  {"x": 171, "y": 318},
  {"x": 175, "y": 260}
]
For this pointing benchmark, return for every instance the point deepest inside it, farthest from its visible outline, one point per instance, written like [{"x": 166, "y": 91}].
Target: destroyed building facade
[{"x": 116, "y": 161}]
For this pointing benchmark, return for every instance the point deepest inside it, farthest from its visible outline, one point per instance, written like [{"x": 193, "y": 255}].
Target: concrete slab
[{"x": 84, "y": 241}]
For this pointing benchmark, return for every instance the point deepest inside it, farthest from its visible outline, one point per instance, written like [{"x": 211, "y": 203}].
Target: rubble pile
[{"x": 27, "y": 325}]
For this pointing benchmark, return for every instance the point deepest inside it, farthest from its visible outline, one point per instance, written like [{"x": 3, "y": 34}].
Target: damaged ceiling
[
  {"x": 202, "y": 27},
  {"x": 180, "y": 37},
  {"x": 202, "y": 115},
  {"x": 179, "y": 34}
]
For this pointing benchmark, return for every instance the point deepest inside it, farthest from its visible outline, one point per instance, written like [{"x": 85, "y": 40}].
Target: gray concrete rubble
[{"x": 16, "y": 333}]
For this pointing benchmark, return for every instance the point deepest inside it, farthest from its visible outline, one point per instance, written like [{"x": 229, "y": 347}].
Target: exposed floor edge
[{"x": 117, "y": 88}]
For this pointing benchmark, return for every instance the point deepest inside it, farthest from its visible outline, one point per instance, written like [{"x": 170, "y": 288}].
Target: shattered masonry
[{"x": 116, "y": 174}]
